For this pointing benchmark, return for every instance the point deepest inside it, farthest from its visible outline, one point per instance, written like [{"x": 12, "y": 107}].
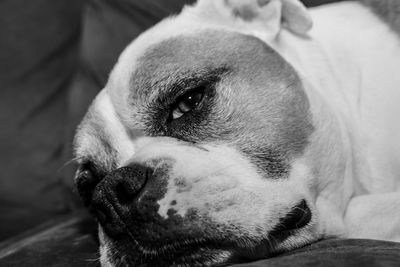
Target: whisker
[{"x": 69, "y": 162}]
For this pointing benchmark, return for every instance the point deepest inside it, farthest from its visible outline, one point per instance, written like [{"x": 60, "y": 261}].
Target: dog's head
[{"x": 195, "y": 151}]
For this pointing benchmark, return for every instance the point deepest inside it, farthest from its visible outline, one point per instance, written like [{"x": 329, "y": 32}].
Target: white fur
[
  {"x": 349, "y": 65},
  {"x": 116, "y": 132}
]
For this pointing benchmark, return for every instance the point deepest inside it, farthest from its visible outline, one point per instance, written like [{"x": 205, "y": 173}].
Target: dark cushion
[
  {"x": 55, "y": 56},
  {"x": 38, "y": 56},
  {"x": 72, "y": 241},
  {"x": 337, "y": 253}
]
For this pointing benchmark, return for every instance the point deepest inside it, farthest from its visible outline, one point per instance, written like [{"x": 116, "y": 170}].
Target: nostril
[
  {"x": 128, "y": 183},
  {"x": 125, "y": 193},
  {"x": 113, "y": 196}
]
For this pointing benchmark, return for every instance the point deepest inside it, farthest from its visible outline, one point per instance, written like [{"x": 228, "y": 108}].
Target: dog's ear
[{"x": 264, "y": 17}]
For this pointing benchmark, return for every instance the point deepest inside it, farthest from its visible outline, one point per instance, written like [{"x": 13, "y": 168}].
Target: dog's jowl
[{"x": 234, "y": 131}]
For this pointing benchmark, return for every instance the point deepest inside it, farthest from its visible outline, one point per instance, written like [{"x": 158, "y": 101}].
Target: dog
[{"x": 239, "y": 129}]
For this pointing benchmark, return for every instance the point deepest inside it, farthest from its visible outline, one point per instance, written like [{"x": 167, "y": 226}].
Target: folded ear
[
  {"x": 295, "y": 16},
  {"x": 265, "y": 17}
]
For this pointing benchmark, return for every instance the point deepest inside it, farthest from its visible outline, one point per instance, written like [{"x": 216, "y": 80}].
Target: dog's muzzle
[{"x": 125, "y": 203}]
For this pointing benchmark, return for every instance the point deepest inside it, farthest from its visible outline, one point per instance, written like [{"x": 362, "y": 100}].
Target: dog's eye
[{"x": 187, "y": 102}]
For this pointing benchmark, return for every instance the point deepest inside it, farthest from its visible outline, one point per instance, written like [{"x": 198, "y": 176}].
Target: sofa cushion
[{"x": 72, "y": 241}]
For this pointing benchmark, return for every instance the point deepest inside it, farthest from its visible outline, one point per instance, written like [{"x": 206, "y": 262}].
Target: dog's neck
[
  {"x": 342, "y": 65},
  {"x": 338, "y": 67}
]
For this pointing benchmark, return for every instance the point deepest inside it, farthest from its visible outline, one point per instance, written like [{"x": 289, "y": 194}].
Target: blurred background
[{"x": 55, "y": 56}]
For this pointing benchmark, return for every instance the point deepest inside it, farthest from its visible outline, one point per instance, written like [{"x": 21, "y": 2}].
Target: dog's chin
[
  {"x": 191, "y": 252},
  {"x": 185, "y": 253}
]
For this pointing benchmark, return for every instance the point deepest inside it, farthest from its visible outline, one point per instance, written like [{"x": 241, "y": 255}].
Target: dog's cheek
[
  {"x": 251, "y": 210},
  {"x": 204, "y": 195},
  {"x": 229, "y": 204}
]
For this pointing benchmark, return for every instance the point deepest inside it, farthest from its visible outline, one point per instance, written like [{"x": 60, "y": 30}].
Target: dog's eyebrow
[
  {"x": 175, "y": 64},
  {"x": 169, "y": 89}
]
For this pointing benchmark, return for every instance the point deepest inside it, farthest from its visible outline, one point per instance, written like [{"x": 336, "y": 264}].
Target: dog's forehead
[
  {"x": 201, "y": 54},
  {"x": 204, "y": 53},
  {"x": 255, "y": 82},
  {"x": 182, "y": 57}
]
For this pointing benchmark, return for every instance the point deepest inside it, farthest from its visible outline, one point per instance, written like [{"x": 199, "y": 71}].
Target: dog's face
[{"x": 194, "y": 153}]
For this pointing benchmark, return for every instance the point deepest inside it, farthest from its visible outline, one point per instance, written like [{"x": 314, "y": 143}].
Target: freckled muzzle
[{"x": 125, "y": 205}]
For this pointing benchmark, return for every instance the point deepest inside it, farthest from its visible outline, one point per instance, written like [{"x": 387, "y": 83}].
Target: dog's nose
[{"x": 117, "y": 193}]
